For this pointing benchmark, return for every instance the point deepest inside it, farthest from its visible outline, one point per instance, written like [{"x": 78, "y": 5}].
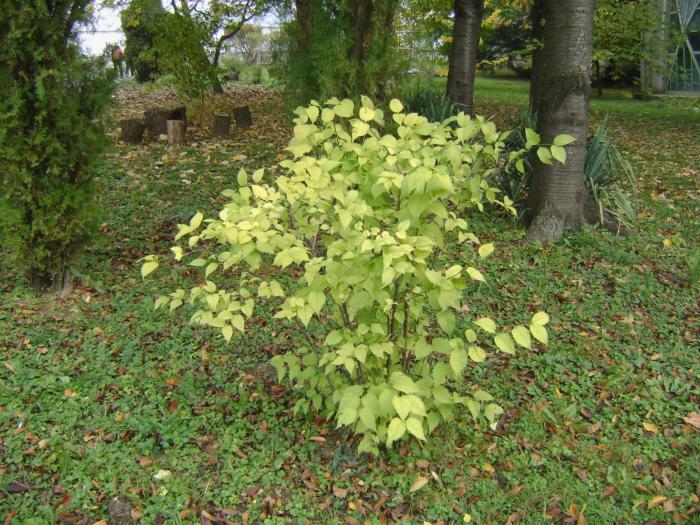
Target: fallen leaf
[
  {"x": 609, "y": 491},
  {"x": 656, "y": 500},
  {"x": 172, "y": 405},
  {"x": 162, "y": 474},
  {"x": 693, "y": 419},
  {"x": 339, "y": 492},
  {"x": 418, "y": 484},
  {"x": 650, "y": 427},
  {"x": 16, "y": 488},
  {"x": 145, "y": 461},
  {"x": 516, "y": 490},
  {"x": 69, "y": 392}
]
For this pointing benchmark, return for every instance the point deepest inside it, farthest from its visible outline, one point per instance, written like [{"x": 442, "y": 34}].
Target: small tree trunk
[
  {"x": 465, "y": 46},
  {"x": 598, "y": 80},
  {"x": 132, "y": 130},
  {"x": 222, "y": 125},
  {"x": 63, "y": 283},
  {"x": 157, "y": 118},
  {"x": 176, "y": 132},
  {"x": 243, "y": 117},
  {"x": 558, "y": 198}
]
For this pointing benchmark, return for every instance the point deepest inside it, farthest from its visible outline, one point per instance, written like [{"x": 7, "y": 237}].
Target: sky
[{"x": 107, "y": 29}]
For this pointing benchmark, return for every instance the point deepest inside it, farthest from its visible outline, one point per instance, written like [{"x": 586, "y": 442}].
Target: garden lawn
[{"x": 100, "y": 396}]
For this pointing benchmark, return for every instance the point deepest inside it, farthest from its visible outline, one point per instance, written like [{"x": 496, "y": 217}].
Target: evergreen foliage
[
  {"x": 50, "y": 136},
  {"x": 139, "y": 21},
  {"x": 317, "y": 53}
]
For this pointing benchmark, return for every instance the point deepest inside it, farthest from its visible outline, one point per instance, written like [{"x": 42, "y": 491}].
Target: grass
[
  {"x": 100, "y": 396},
  {"x": 515, "y": 92}
]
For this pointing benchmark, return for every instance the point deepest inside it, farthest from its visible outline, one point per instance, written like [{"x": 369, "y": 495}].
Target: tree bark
[
  {"x": 243, "y": 117},
  {"x": 156, "y": 119},
  {"x": 559, "y": 199},
  {"x": 176, "y": 132},
  {"x": 132, "y": 130},
  {"x": 363, "y": 18},
  {"x": 222, "y": 125},
  {"x": 465, "y": 45},
  {"x": 537, "y": 17}
]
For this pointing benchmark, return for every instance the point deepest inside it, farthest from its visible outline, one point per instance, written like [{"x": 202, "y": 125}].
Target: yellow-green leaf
[
  {"x": 415, "y": 427},
  {"x": 504, "y": 343},
  {"x": 148, "y": 268},
  {"x": 486, "y": 324},
  {"x": 486, "y": 249},
  {"x": 540, "y": 318},
  {"x": 396, "y": 106},
  {"x": 521, "y": 336},
  {"x": 477, "y": 354},
  {"x": 539, "y": 332},
  {"x": 475, "y": 274}
]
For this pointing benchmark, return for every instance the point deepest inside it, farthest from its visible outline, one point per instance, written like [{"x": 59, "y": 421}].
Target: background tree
[
  {"x": 251, "y": 45},
  {"x": 50, "y": 137},
  {"x": 220, "y": 20},
  {"x": 339, "y": 48},
  {"x": 463, "y": 56},
  {"x": 139, "y": 20},
  {"x": 558, "y": 198}
]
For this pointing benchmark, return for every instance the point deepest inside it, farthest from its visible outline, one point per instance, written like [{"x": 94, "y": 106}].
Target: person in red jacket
[{"x": 118, "y": 60}]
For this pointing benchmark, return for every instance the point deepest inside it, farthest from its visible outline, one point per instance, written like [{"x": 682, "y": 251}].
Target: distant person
[{"x": 118, "y": 60}]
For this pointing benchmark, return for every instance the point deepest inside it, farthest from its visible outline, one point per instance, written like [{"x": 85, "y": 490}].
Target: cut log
[
  {"x": 222, "y": 125},
  {"x": 243, "y": 117},
  {"x": 132, "y": 130},
  {"x": 157, "y": 118},
  {"x": 176, "y": 131}
]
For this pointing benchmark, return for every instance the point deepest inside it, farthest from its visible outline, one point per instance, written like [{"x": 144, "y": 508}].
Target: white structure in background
[{"x": 679, "y": 71}]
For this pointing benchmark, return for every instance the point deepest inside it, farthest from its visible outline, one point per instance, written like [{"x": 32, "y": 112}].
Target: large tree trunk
[
  {"x": 559, "y": 199},
  {"x": 537, "y": 17},
  {"x": 465, "y": 45},
  {"x": 363, "y": 19}
]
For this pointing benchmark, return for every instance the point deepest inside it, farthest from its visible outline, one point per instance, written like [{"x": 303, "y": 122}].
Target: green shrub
[
  {"x": 139, "y": 22},
  {"x": 315, "y": 62},
  {"x": 51, "y": 136},
  {"x": 363, "y": 221},
  {"x": 180, "y": 45}
]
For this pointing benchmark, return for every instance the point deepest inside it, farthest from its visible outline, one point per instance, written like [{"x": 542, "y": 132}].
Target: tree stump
[
  {"x": 243, "y": 117},
  {"x": 157, "y": 119},
  {"x": 132, "y": 130},
  {"x": 222, "y": 125},
  {"x": 176, "y": 131}
]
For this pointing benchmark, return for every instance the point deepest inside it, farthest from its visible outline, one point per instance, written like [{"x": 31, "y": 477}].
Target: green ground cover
[{"x": 101, "y": 396}]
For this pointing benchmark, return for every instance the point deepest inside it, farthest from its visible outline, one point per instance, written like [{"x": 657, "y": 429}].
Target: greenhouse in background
[{"x": 676, "y": 46}]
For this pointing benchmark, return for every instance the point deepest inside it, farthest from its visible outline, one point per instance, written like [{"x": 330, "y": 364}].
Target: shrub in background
[
  {"x": 364, "y": 221},
  {"x": 50, "y": 137},
  {"x": 139, "y": 23},
  {"x": 180, "y": 44},
  {"x": 320, "y": 53}
]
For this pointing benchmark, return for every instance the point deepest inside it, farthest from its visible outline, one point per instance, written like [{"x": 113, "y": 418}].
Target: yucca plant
[
  {"x": 430, "y": 102},
  {"x": 606, "y": 172}
]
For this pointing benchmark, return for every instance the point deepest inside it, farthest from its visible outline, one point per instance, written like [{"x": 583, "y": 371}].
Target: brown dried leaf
[
  {"x": 693, "y": 419},
  {"x": 418, "y": 484}
]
